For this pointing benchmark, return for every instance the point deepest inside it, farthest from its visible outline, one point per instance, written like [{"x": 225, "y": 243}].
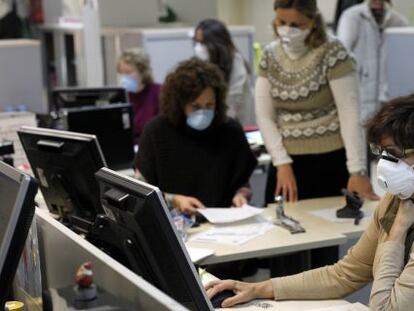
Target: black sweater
[{"x": 210, "y": 165}]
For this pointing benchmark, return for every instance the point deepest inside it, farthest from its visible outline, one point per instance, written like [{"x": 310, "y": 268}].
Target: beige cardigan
[{"x": 370, "y": 259}]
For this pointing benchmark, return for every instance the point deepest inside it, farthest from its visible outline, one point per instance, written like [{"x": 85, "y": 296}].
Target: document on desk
[
  {"x": 217, "y": 215},
  {"x": 330, "y": 214},
  {"x": 197, "y": 254},
  {"x": 232, "y": 235}
]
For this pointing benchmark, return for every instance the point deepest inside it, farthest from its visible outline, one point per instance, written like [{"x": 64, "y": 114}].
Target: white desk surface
[
  {"x": 295, "y": 305},
  {"x": 348, "y": 228},
  {"x": 276, "y": 241}
]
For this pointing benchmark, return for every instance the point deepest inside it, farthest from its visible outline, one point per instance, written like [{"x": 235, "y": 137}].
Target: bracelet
[{"x": 360, "y": 173}]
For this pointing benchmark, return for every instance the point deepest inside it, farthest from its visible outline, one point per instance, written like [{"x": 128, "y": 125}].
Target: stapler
[
  {"x": 352, "y": 209},
  {"x": 285, "y": 221}
]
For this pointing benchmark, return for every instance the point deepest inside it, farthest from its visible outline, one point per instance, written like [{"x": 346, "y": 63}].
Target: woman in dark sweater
[{"x": 194, "y": 153}]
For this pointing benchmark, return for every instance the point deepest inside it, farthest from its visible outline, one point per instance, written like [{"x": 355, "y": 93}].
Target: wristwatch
[{"x": 360, "y": 173}]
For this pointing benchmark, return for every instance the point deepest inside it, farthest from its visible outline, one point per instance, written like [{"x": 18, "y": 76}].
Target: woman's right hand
[
  {"x": 244, "y": 292},
  {"x": 286, "y": 183},
  {"x": 185, "y": 204}
]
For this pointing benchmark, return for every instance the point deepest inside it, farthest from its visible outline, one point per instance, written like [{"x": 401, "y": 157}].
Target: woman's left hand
[
  {"x": 405, "y": 215},
  {"x": 239, "y": 200},
  {"x": 403, "y": 221},
  {"x": 362, "y": 186}
]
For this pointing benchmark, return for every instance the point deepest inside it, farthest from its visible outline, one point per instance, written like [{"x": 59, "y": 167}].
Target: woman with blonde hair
[{"x": 307, "y": 109}]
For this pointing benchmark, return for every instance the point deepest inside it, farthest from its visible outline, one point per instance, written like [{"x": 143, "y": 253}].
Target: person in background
[
  {"x": 11, "y": 26},
  {"x": 212, "y": 42},
  {"x": 143, "y": 93},
  {"x": 384, "y": 254},
  {"x": 192, "y": 151},
  {"x": 307, "y": 109},
  {"x": 361, "y": 30}
]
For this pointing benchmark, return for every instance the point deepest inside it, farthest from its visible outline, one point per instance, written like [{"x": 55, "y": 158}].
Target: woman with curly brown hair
[{"x": 192, "y": 151}]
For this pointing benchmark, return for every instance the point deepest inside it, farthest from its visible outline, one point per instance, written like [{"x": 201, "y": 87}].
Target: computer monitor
[
  {"x": 64, "y": 164},
  {"x": 79, "y": 97},
  {"x": 112, "y": 124},
  {"x": 154, "y": 249},
  {"x": 17, "y": 192}
]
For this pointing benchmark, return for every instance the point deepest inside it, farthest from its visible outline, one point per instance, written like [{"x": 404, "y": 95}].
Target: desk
[
  {"x": 347, "y": 228},
  {"x": 276, "y": 241},
  {"x": 297, "y": 305}
]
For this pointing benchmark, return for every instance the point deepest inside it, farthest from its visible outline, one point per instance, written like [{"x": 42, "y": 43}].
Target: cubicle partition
[{"x": 62, "y": 252}]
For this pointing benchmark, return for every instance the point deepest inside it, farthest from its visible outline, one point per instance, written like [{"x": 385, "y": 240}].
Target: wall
[
  {"x": 406, "y": 7},
  {"x": 192, "y": 11}
]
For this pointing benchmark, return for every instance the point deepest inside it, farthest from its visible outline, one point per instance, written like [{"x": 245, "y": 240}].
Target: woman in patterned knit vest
[{"x": 307, "y": 109}]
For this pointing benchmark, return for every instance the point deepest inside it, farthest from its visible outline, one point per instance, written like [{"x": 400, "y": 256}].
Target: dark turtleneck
[{"x": 210, "y": 165}]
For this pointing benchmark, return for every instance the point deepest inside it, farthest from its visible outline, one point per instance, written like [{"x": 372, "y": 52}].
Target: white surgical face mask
[
  {"x": 293, "y": 39},
  {"x": 201, "y": 51},
  {"x": 396, "y": 177}
]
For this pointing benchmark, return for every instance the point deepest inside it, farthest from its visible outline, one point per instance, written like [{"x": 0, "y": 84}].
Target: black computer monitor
[
  {"x": 112, "y": 124},
  {"x": 17, "y": 192},
  {"x": 79, "y": 97},
  {"x": 152, "y": 246},
  {"x": 64, "y": 164}
]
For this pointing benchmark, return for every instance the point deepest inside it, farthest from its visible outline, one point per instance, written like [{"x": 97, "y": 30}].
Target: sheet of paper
[
  {"x": 205, "y": 276},
  {"x": 330, "y": 214},
  {"x": 197, "y": 254},
  {"x": 219, "y": 215},
  {"x": 232, "y": 235}
]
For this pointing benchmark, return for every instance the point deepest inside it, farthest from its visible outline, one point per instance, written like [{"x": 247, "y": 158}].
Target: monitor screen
[
  {"x": 112, "y": 125},
  {"x": 80, "y": 97},
  {"x": 64, "y": 164},
  {"x": 254, "y": 137},
  {"x": 17, "y": 192},
  {"x": 153, "y": 248}
]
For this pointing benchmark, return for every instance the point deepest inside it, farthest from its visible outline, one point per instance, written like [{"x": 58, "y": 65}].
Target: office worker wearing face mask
[
  {"x": 213, "y": 43},
  {"x": 136, "y": 78},
  {"x": 384, "y": 254},
  {"x": 307, "y": 109},
  {"x": 192, "y": 151},
  {"x": 361, "y": 29}
]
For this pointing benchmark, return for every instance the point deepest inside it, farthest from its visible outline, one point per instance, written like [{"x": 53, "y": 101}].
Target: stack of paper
[
  {"x": 217, "y": 215},
  {"x": 232, "y": 235},
  {"x": 197, "y": 254}
]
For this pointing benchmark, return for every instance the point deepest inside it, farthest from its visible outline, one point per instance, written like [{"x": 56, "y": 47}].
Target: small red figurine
[
  {"x": 84, "y": 275},
  {"x": 85, "y": 290}
]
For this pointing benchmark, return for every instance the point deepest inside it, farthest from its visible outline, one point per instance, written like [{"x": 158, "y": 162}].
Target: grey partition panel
[
  {"x": 399, "y": 46},
  {"x": 62, "y": 252},
  {"x": 21, "y": 76}
]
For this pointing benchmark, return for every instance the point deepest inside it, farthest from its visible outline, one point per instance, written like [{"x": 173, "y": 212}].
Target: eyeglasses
[{"x": 394, "y": 151}]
